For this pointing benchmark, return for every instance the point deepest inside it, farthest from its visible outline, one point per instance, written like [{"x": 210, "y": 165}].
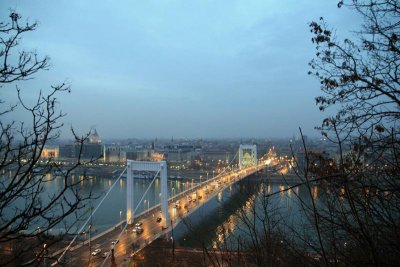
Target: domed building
[
  {"x": 91, "y": 149},
  {"x": 94, "y": 138}
]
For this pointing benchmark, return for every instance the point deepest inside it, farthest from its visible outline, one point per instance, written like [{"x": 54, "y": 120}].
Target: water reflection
[
  {"x": 110, "y": 211},
  {"x": 314, "y": 192},
  {"x": 220, "y": 196},
  {"x": 282, "y": 189},
  {"x": 276, "y": 198}
]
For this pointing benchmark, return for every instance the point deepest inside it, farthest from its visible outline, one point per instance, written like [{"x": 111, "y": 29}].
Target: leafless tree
[
  {"x": 255, "y": 234},
  {"x": 361, "y": 76},
  {"x": 349, "y": 204},
  {"x": 357, "y": 214},
  {"x": 27, "y": 212}
]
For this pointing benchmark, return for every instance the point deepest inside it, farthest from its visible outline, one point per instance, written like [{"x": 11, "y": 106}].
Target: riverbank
[{"x": 172, "y": 255}]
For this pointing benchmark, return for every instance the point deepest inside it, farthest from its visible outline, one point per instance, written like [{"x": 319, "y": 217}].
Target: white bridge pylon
[
  {"x": 159, "y": 166},
  {"x": 246, "y": 159}
]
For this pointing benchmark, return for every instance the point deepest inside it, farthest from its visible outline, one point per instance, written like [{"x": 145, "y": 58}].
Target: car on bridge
[
  {"x": 105, "y": 254},
  {"x": 138, "y": 230},
  {"x": 138, "y": 224},
  {"x": 97, "y": 251},
  {"x": 114, "y": 242}
]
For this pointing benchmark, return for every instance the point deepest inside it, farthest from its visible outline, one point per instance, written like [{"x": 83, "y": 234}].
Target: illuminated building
[
  {"x": 91, "y": 149},
  {"x": 50, "y": 152}
]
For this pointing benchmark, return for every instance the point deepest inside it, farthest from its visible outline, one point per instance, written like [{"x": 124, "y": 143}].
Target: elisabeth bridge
[{"x": 122, "y": 241}]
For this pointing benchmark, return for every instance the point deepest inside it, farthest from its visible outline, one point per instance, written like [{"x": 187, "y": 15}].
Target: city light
[{"x": 197, "y": 193}]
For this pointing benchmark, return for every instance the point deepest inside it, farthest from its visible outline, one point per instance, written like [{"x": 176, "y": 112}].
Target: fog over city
[
  {"x": 197, "y": 69},
  {"x": 199, "y": 133}
]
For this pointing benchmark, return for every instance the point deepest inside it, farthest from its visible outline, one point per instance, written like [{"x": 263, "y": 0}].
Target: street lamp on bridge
[{"x": 44, "y": 254}]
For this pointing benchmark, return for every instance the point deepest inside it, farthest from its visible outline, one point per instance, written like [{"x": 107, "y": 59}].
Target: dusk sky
[{"x": 195, "y": 69}]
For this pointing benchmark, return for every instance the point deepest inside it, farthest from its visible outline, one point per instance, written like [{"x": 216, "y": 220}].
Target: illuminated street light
[
  {"x": 90, "y": 229},
  {"x": 44, "y": 254}
]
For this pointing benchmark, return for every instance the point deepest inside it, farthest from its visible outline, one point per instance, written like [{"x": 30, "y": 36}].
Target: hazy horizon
[{"x": 198, "y": 69}]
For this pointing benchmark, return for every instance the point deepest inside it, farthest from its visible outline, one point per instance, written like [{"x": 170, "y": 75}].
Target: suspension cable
[
  {"x": 126, "y": 225},
  {"x": 84, "y": 225}
]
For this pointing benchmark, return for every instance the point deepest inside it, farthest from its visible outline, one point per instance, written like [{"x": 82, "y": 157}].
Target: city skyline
[{"x": 179, "y": 69}]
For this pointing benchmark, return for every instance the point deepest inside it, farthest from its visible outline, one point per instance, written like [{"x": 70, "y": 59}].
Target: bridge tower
[
  {"x": 247, "y": 155},
  {"x": 152, "y": 166}
]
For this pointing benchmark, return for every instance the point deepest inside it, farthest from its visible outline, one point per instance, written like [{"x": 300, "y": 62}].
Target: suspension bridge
[{"x": 139, "y": 230}]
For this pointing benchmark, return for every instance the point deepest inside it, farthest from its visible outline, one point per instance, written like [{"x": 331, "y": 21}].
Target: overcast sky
[{"x": 209, "y": 68}]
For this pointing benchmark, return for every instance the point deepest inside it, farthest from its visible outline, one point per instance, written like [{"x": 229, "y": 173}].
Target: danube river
[
  {"x": 216, "y": 218},
  {"x": 113, "y": 209},
  {"x": 226, "y": 217}
]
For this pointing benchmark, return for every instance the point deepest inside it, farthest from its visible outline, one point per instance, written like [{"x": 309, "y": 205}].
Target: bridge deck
[{"x": 131, "y": 242}]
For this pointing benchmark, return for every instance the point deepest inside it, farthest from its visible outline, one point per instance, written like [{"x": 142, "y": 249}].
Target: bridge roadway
[{"x": 131, "y": 243}]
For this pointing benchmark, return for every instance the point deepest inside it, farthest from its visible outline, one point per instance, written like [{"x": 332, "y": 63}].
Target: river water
[
  {"x": 217, "y": 216},
  {"x": 113, "y": 209},
  {"x": 222, "y": 217}
]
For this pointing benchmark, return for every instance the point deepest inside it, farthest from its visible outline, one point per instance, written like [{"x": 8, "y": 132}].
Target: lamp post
[
  {"x": 173, "y": 192},
  {"x": 90, "y": 229},
  {"x": 44, "y": 254}
]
